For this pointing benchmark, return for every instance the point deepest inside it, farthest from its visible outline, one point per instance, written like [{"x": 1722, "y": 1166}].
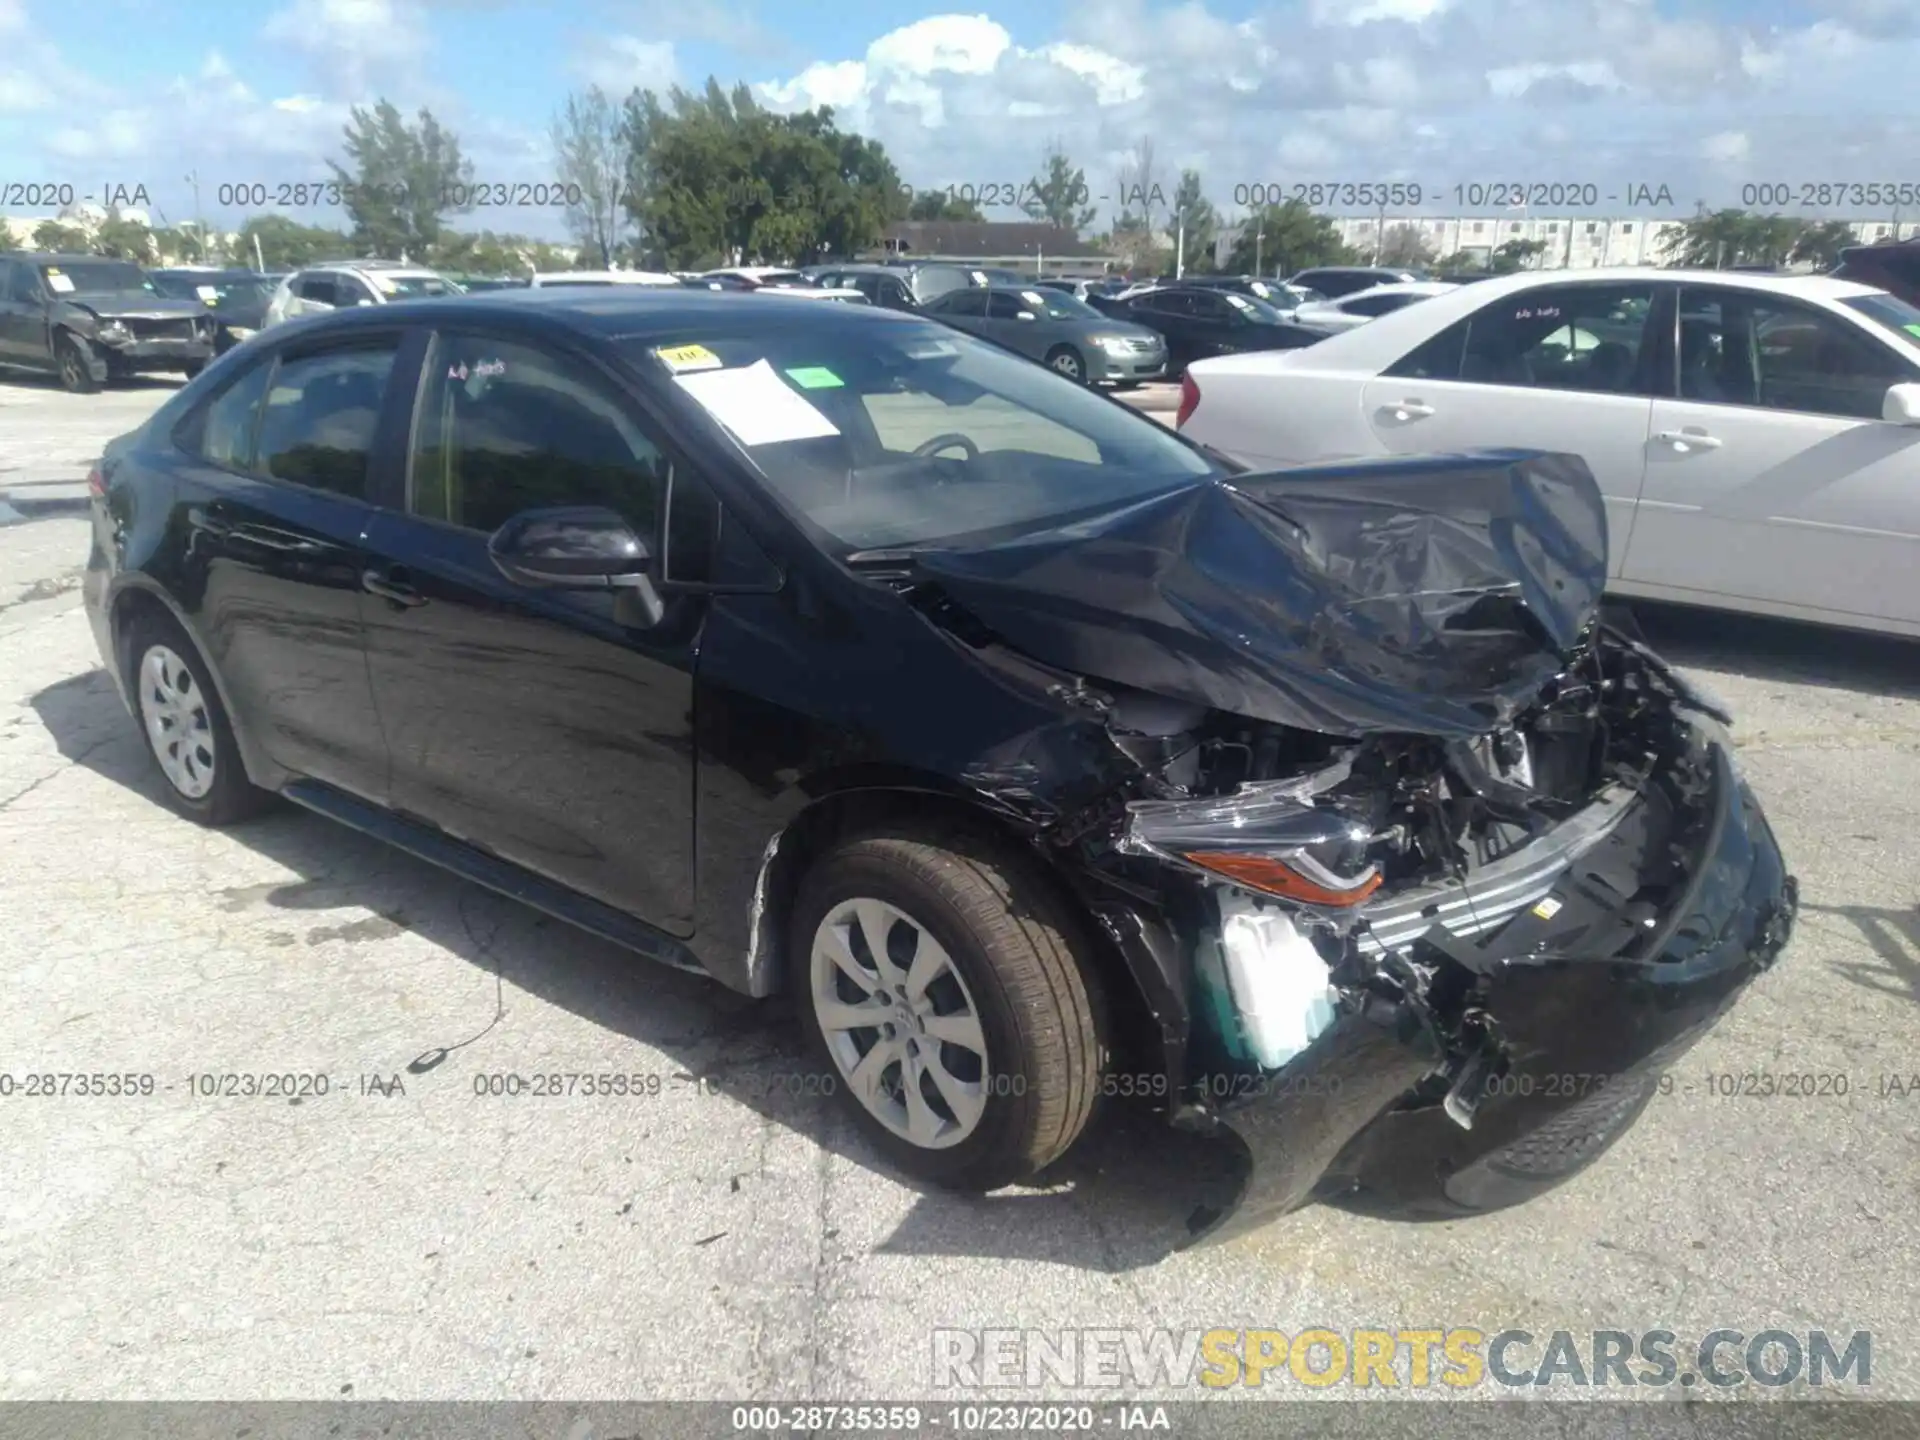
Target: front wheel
[
  {"x": 939, "y": 984},
  {"x": 76, "y": 377},
  {"x": 1068, "y": 362}
]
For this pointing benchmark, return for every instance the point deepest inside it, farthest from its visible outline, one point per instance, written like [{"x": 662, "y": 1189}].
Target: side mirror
[
  {"x": 584, "y": 547},
  {"x": 1026, "y": 315},
  {"x": 363, "y": 302},
  {"x": 1902, "y": 405}
]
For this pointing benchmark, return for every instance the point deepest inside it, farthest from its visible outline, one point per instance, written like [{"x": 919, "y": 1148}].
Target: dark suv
[
  {"x": 1036, "y": 754},
  {"x": 1893, "y": 266},
  {"x": 1334, "y": 281},
  {"x": 90, "y": 320}
]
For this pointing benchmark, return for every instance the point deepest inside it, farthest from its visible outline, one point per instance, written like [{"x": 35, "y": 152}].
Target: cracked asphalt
[{"x": 729, "y": 1236}]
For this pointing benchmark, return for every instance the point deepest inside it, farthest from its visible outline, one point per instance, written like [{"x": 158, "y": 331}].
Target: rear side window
[
  {"x": 226, "y": 427},
  {"x": 318, "y": 424}
]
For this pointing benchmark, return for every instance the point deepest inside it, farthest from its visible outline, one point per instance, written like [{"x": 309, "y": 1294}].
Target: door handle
[
  {"x": 1691, "y": 438},
  {"x": 1411, "y": 410},
  {"x": 208, "y": 521},
  {"x": 393, "y": 591}
]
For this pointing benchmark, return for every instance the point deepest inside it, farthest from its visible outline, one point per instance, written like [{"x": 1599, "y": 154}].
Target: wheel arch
[
  {"x": 138, "y": 598},
  {"x": 929, "y": 808}
]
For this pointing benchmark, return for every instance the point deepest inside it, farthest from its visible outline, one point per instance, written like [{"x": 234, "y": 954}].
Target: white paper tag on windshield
[
  {"x": 60, "y": 284},
  {"x": 207, "y": 293},
  {"x": 756, "y": 405}
]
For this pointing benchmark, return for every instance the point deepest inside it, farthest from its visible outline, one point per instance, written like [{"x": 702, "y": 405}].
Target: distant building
[{"x": 1011, "y": 245}]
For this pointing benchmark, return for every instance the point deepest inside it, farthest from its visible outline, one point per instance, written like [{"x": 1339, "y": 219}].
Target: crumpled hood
[
  {"x": 1425, "y": 596},
  {"x": 134, "y": 305}
]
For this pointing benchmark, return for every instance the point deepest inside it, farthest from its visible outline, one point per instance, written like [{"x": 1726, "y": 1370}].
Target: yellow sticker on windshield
[{"x": 682, "y": 358}]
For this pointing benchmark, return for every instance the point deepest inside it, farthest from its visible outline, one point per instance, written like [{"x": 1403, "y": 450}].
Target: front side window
[
  {"x": 887, "y": 434},
  {"x": 1556, "y": 337},
  {"x": 318, "y": 424},
  {"x": 503, "y": 427},
  {"x": 960, "y": 302},
  {"x": 1749, "y": 348}
]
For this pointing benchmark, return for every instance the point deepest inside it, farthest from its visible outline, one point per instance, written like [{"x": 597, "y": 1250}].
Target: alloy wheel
[
  {"x": 899, "y": 1022},
  {"x": 173, "y": 711}
]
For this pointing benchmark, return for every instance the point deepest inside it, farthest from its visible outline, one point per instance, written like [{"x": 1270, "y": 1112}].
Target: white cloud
[
  {"x": 356, "y": 46},
  {"x": 1729, "y": 147},
  {"x": 626, "y": 62},
  {"x": 1114, "y": 80},
  {"x": 1362, "y": 12}
]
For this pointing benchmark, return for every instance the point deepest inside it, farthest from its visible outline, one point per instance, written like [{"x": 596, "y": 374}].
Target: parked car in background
[
  {"x": 840, "y": 294},
  {"x": 1893, "y": 266},
  {"x": 238, "y": 299},
  {"x": 1756, "y": 437},
  {"x": 1364, "y": 305},
  {"x": 554, "y": 278},
  {"x": 1334, "y": 281},
  {"x": 1280, "y": 294},
  {"x": 1081, "y": 289},
  {"x": 897, "y": 287},
  {"x": 1197, "y": 323},
  {"x": 345, "y": 284},
  {"x": 1063, "y": 333},
  {"x": 756, "y": 275},
  {"x": 479, "y": 284},
  {"x": 803, "y": 646},
  {"x": 90, "y": 321}
]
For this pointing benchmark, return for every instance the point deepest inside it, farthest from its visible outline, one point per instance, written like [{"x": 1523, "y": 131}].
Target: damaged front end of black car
[{"x": 1423, "y": 870}]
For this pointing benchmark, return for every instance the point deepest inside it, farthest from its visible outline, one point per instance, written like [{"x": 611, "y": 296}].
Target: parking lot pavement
[
  {"x": 729, "y": 1236},
  {"x": 48, "y": 436},
  {"x": 1159, "y": 398}
]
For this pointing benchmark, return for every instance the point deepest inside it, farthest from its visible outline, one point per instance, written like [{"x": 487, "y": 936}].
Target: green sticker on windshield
[
  {"x": 1913, "y": 329},
  {"x": 815, "y": 377}
]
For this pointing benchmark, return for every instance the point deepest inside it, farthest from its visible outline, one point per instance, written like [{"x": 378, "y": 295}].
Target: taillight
[
  {"x": 96, "y": 483},
  {"x": 1189, "y": 401}
]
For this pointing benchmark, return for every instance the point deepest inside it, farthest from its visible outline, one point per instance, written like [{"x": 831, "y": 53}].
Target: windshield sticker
[
  {"x": 60, "y": 284},
  {"x": 1033, "y": 299},
  {"x": 1913, "y": 329},
  {"x": 756, "y": 405},
  {"x": 681, "y": 358},
  {"x": 815, "y": 377},
  {"x": 1240, "y": 302},
  {"x": 207, "y": 294},
  {"x": 932, "y": 350},
  {"x": 383, "y": 284}
]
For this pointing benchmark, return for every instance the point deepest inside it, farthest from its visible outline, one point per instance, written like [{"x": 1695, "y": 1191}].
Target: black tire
[
  {"x": 1016, "y": 948},
  {"x": 71, "y": 363},
  {"x": 1068, "y": 362},
  {"x": 232, "y": 797}
]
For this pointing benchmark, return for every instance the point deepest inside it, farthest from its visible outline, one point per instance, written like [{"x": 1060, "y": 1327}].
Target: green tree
[
  {"x": 1405, "y": 246},
  {"x": 1819, "y": 244},
  {"x": 286, "y": 244},
  {"x": 1202, "y": 221},
  {"x": 1514, "y": 255},
  {"x": 482, "y": 253},
  {"x": 401, "y": 181},
  {"x": 122, "y": 239},
  {"x": 590, "y": 158},
  {"x": 942, "y": 205},
  {"x": 63, "y": 239},
  {"x": 1717, "y": 239},
  {"x": 715, "y": 179},
  {"x": 1281, "y": 239},
  {"x": 1058, "y": 194}
]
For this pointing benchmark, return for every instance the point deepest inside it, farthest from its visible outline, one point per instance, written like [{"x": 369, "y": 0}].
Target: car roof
[
  {"x": 1400, "y": 287},
  {"x": 43, "y": 257},
  {"x": 636, "y": 312}
]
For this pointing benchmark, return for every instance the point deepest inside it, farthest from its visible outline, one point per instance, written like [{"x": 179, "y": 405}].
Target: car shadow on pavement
[
  {"x": 1893, "y": 936},
  {"x": 1119, "y": 1201},
  {"x": 1781, "y": 650}
]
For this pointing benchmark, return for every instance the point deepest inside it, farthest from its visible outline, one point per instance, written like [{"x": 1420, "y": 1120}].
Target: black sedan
[
  {"x": 1200, "y": 322},
  {"x": 1033, "y": 752}
]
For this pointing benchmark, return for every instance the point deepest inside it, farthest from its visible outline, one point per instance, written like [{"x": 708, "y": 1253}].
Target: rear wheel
[
  {"x": 187, "y": 731},
  {"x": 939, "y": 984},
  {"x": 71, "y": 361}
]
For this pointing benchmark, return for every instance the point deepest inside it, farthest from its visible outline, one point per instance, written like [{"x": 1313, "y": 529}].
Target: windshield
[
  {"x": 214, "y": 289},
  {"x": 1059, "y": 305},
  {"x": 1257, "y": 311},
  {"x": 95, "y": 277},
  {"x": 410, "y": 285},
  {"x": 1891, "y": 311},
  {"x": 897, "y": 434}
]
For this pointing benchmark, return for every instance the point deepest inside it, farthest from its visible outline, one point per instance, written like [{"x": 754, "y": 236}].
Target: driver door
[{"x": 551, "y": 727}]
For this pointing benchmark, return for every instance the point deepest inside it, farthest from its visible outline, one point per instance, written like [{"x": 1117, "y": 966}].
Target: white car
[
  {"x": 338, "y": 286},
  {"x": 1757, "y": 437},
  {"x": 755, "y": 275},
  {"x": 601, "y": 277},
  {"x": 1363, "y": 305},
  {"x": 846, "y": 294}
]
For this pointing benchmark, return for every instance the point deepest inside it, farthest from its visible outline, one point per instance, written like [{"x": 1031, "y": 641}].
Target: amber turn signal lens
[{"x": 1275, "y": 877}]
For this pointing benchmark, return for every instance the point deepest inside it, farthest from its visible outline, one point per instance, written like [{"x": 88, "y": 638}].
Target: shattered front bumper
[{"x": 1594, "y": 984}]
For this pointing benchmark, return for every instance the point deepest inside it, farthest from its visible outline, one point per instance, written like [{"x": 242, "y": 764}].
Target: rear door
[
  {"x": 273, "y": 477},
  {"x": 1557, "y": 367},
  {"x": 23, "y": 316},
  {"x": 551, "y": 727},
  {"x": 1171, "y": 314},
  {"x": 1771, "y": 477},
  {"x": 964, "y": 309}
]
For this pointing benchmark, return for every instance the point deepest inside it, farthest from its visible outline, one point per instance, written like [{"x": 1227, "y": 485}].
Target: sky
[{"x": 1617, "y": 99}]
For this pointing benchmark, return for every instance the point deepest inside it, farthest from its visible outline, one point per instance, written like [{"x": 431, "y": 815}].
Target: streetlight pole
[
  {"x": 199, "y": 225},
  {"x": 1180, "y": 244},
  {"x": 1259, "y": 238}
]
